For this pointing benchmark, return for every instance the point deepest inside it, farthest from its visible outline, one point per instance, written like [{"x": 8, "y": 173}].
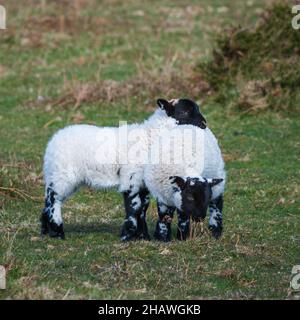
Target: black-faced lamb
[
  {"x": 190, "y": 186},
  {"x": 98, "y": 157}
]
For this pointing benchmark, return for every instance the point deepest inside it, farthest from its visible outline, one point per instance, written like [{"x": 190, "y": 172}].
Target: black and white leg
[
  {"x": 142, "y": 228},
  {"x": 51, "y": 219},
  {"x": 163, "y": 226},
  {"x": 215, "y": 219},
  {"x": 183, "y": 229},
  {"x": 135, "y": 225}
]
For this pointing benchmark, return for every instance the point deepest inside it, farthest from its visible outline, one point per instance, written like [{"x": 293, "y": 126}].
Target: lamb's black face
[
  {"x": 195, "y": 194},
  {"x": 185, "y": 111}
]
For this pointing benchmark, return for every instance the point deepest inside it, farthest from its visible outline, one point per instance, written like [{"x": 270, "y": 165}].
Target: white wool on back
[
  {"x": 204, "y": 161},
  {"x": 90, "y": 155},
  {"x": 87, "y": 154}
]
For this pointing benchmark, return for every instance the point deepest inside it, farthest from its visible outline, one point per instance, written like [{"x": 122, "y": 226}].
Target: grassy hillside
[{"x": 64, "y": 62}]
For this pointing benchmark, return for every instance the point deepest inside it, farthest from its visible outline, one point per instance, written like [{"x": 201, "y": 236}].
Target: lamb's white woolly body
[
  {"x": 206, "y": 161},
  {"x": 75, "y": 156},
  {"x": 98, "y": 157}
]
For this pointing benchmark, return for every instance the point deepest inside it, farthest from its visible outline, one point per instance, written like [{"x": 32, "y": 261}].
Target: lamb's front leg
[
  {"x": 215, "y": 220},
  {"x": 135, "y": 225},
  {"x": 142, "y": 228},
  {"x": 163, "y": 227},
  {"x": 183, "y": 230}
]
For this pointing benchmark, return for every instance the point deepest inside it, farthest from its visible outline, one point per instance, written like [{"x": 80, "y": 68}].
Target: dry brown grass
[
  {"x": 253, "y": 96},
  {"x": 146, "y": 84}
]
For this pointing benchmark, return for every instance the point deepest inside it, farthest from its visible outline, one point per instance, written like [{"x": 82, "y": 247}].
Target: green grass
[{"x": 135, "y": 46}]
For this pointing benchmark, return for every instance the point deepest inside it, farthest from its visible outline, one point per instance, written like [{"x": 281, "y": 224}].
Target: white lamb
[
  {"x": 97, "y": 156},
  {"x": 183, "y": 187}
]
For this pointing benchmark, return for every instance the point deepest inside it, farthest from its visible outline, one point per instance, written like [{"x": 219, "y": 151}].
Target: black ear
[
  {"x": 214, "y": 182},
  {"x": 166, "y": 105},
  {"x": 179, "y": 181},
  {"x": 199, "y": 121}
]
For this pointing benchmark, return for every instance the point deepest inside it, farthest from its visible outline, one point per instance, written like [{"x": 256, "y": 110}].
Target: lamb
[
  {"x": 189, "y": 187},
  {"x": 88, "y": 155}
]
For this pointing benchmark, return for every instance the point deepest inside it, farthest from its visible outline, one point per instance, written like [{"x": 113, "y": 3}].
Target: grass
[{"x": 100, "y": 62}]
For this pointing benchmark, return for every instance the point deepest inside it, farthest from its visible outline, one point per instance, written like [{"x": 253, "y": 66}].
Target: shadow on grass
[{"x": 112, "y": 228}]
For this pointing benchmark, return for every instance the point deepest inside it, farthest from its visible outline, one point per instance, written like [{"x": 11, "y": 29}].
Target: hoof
[
  {"x": 129, "y": 230},
  {"x": 56, "y": 231},
  {"x": 182, "y": 237},
  {"x": 162, "y": 239},
  {"x": 183, "y": 230},
  {"x": 143, "y": 236},
  {"x": 216, "y": 231},
  {"x": 125, "y": 238},
  {"x": 162, "y": 233},
  {"x": 44, "y": 231},
  {"x": 44, "y": 224}
]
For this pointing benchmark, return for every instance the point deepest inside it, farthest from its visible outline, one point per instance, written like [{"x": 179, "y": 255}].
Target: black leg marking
[
  {"x": 183, "y": 230},
  {"x": 142, "y": 228},
  {"x": 56, "y": 231},
  {"x": 48, "y": 225},
  {"x": 44, "y": 222},
  {"x": 219, "y": 202},
  {"x": 216, "y": 220},
  {"x": 135, "y": 226},
  {"x": 163, "y": 225}
]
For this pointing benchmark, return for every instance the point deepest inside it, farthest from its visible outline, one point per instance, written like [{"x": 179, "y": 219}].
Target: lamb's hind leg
[
  {"x": 51, "y": 220},
  {"x": 135, "y": 225},
  {"x": 163, "y": 226},
  {"x": 215, "y": 219}
]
